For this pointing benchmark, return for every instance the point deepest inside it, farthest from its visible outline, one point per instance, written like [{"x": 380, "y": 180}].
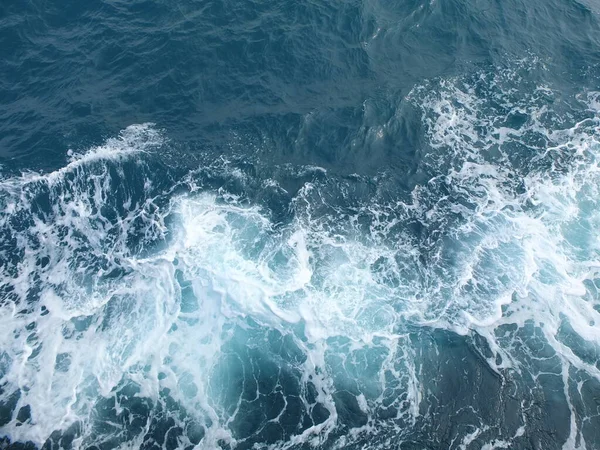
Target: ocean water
[{"x": 301, "y": 224}]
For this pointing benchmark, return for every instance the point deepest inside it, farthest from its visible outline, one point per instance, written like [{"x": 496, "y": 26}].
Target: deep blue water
[{"x": 300, "y": 224}]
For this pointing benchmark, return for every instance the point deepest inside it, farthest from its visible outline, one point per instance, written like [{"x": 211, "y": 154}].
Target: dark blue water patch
[
  {"x": 465, "y": 399},
  {"x": 584, "y": 389},
  {"x": 73, "y": 74}
]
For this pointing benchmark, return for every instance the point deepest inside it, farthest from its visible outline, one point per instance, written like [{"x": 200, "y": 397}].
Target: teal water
[{"x": 296, "y": 225}]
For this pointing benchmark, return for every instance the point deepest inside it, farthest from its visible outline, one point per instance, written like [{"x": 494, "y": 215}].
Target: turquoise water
[{"x": 296, "y": 225}]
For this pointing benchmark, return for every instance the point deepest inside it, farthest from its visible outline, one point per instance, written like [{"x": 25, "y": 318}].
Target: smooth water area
[{"x": 296, "y": 225}]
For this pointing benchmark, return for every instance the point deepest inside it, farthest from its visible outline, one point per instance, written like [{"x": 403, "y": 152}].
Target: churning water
[{"x": 295, "y": 225}]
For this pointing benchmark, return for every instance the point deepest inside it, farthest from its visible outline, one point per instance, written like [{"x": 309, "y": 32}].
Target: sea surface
[{"x": 300, "y": 224}]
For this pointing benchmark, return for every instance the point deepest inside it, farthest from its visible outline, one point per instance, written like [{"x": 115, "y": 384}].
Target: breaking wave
[{"x": 146, "y": 304}]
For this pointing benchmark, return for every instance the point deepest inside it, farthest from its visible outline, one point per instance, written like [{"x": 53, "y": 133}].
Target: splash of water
[{"x": 139, "y": 312}]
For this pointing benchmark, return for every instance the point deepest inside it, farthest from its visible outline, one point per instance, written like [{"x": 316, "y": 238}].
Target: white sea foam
[{"x": 87, "y": 308}]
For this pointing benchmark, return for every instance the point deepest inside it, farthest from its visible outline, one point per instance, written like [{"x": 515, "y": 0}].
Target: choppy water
[{"x": 300, "y": 224}]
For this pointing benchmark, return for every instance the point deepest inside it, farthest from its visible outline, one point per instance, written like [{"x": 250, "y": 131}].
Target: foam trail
[{"x": 186, "y": 315}]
